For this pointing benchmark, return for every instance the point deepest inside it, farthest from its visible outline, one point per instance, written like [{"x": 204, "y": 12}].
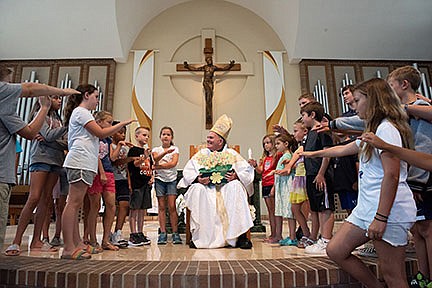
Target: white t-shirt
[
  {"x": 83, "y": 146},
  {"x": 370, "y": 178},
  {"x": 166, "y": 175}
]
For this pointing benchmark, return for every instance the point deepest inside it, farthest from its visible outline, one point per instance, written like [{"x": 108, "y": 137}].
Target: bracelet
[
  {"x": 381, "y": 215},
  {"x": 406, "y": 107},
  {"x": 380, "y": 220}
]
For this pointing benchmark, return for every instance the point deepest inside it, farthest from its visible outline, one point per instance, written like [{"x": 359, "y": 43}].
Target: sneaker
[
  {"x": 117, "y": 239},
  {"x": 162, "y": 239},
  {"x": 45, "y": 240},
  {"x": 318, "y": 248},
  {"x": 144, "y": 239},
  {"x": 56, "y": 241},
  {"x": 288, "y": 242},
  {"x": 176, "y": 238},
  {"x": 419, "y": 281},
  {"x": 135, "y": 240},
  {"x": 367, "y": 251},
  {"x": 305, "y": 242}
]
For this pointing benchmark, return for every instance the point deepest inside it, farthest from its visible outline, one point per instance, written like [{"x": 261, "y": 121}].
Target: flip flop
[
  {"x": 46, "y": 247},
  {"x": 78, "y": 254},
  {"x": 13, "y": 250}
]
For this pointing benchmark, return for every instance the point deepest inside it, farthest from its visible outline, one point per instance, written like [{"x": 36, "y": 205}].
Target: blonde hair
[
  {"x": 139, "y": 128},
  {"x": 409, "y": 73},
  {"x": 102, "y": 115},
  {"x": 383, "y": 104}
]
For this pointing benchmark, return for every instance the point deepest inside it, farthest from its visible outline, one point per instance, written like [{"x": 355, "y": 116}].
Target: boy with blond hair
[
  {"x": 141, "y": 179},
  {"x": 405, "y": 81}
]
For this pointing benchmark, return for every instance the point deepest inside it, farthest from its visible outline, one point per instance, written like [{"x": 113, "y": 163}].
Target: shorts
[
  {"x": 122, "y": 190},
  {"x": 396, "y": 234},
  {"x": 76, "y": 175},
  {"x": 141, "y": 198},
  {"x": 348, "y": 199},
  {"x": 43, "y": 167},
  {"x": 165, "y": 188},
  {"x": 98, "y": 187},
  {"x": 266, "y": 191},
  {"x": 320, "y": 200},
  {"x": 62, "y": 186},
  {"x": 424, "y": 208}
]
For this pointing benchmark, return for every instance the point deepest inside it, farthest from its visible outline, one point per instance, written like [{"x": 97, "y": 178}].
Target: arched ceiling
[{"x": 309, "y": 29}]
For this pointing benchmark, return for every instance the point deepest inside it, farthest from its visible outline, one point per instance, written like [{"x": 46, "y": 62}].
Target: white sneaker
[
  {"x": 116, "y": 237},
  {"x": 319, "y": 248}
]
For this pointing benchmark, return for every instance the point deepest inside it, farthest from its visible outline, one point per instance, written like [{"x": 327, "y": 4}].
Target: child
[
  {"x": 285, "y": 144},
  {"x": 266, "y": 166},
  {"x": 60, "y": 192},
  {"x": 385, "y": 209},
  {"x": 298, "y": 195},
  {"x": 46, "y": 158},
  {"x": 346, "y": 171},
  {"x": 141, "y": 179},
  {"x": 405, "y": 81},
  {"x": 318, "y": 180},
  {"x": 166, "y": 159},
  {"x": 81, "y": 162},
  {"x": 119, "y": 150},
  {"x": 103, "y": 185}
]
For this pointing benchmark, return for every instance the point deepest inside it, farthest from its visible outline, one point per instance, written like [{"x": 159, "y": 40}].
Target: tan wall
[{"x": 179, "y": 101}]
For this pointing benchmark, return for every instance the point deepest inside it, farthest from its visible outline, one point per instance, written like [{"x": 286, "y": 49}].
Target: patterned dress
[
  {"x": 298, "y": 191},
  {"x": 283, "y": 186}
]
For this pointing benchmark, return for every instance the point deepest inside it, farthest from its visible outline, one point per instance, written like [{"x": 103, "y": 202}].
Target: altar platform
[{"x": 178, "y": 266}]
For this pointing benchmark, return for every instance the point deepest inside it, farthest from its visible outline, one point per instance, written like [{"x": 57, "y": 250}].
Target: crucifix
[{"x": 209, "y": 70}]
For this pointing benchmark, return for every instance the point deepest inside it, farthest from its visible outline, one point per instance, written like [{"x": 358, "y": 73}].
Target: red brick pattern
[{"x": 291, "y": 272}]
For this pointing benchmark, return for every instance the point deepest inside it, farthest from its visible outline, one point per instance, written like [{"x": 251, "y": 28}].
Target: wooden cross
[{"x": 209, "y": 70}]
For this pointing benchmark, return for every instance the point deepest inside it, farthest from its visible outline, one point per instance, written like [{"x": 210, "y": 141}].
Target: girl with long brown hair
[{"x": 385, "y": 210}]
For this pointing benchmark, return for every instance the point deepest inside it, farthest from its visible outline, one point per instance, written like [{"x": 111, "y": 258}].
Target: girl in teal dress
[{"x": 285, "y": 144}]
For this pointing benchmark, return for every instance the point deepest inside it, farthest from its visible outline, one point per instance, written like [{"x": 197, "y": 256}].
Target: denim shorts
[
  {"x": 165, "y": 188},
  {"x": 43, "y": 167},
  {"x": 76, "y": 175},
  {"x": 395, "y": 234}
]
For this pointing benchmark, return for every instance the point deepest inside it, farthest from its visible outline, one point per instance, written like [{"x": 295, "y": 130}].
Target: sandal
[
  {"x": 46, "y": 247},
  {"x": 13, "y": 250},
  {"x": 109, "y": 246},
  {"x": 78, "y": 254},
  {"x": 92, "y": 249}
]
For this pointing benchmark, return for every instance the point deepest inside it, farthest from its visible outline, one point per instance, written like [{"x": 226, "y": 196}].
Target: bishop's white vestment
[{"x": 207, "y": 226}]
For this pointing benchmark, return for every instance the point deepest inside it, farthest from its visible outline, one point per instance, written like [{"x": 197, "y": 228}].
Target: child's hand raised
[
  {"x": 252, "y": 162},
  {"x": 127, "y": 122},
  {"x": 373, "y": 140},
  {"x": 307, "y": 154},
  {"x": 322, "y": 127}
]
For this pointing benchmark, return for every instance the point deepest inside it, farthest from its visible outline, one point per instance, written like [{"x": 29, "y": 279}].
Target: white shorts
[{"x": 396, "y": 234}]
